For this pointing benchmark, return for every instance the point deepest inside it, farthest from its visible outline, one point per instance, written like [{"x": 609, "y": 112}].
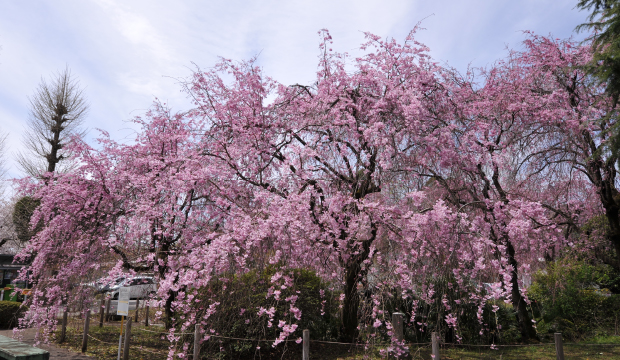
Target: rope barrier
[
  {"x": 360, "y": 344},
  {"x": 163, "y": 332},
  {"x": 495, "y": 345},
  {"x": 526, "y": 345},
  {"x": 336, "y": 342},
  {"x": 215, "y": 336},
  {"x": 242, "y": 339},
  {"x": 592, "y": 344}
]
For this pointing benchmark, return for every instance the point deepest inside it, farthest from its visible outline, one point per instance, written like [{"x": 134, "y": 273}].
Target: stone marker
[{"x": 11, "y": 349}]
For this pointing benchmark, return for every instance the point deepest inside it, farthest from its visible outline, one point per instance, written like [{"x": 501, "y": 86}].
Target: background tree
[
  {"x": 9, "y": 243},
  {"x": 7, "y": 233},
  {"x": 22, "y": 213},
  {"x": 57, "y": 110},
  {"x": 577, "y": 112},
  {"x": 2, "y": 162},
  {"x": 604, "y": 21}
]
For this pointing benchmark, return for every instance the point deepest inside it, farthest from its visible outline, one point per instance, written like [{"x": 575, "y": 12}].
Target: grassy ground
[
  {"x": 148, "y": 344},
  {"x": 104, "y": 343},
  {"x": 580, "y": 352}
]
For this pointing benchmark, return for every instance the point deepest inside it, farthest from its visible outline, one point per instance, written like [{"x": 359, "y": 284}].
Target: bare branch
[{"x": 57, "y": 110}]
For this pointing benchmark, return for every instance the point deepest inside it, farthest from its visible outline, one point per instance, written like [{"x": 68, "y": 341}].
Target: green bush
[
  {"x": 10, "y": 312},
  {"x": 570, "y": 297},
  {"x": 241, "y": 296}
]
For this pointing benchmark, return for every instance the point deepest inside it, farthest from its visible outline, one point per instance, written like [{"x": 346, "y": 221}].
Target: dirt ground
[{"x": 55, "y": 352}]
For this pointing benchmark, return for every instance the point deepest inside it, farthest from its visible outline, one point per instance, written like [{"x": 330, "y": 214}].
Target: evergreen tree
[
  {"x": 604, "y": 22},
  {"x": 22, "y": 213}
]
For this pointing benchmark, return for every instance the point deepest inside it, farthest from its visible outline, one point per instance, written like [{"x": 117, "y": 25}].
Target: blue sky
[{"x": 126, "y": 53}]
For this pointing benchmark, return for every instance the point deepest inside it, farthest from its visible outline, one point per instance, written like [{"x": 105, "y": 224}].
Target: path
[{"x": 56, "y": 353}]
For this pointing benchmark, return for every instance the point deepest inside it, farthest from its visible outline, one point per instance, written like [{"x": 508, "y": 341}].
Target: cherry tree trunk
[
  {"x": 350, "y": 307},
  {"x": 169, "y": 315},
  {"x": 612, "y": 213},
  {"x": 518, "y": 302},
  {"x": 604, "y": 175}
]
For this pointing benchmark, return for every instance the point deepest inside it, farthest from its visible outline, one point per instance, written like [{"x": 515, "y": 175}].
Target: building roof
[{"x": 6, "y": 262}]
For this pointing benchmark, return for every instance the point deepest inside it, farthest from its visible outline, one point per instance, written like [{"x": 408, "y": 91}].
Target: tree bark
[
  {"x": 612, "y": 212},
  {"x": 350, "y": 307},
  {"x": 518, "y": 302},
  {"x": 168, "y": 310},
  {"x": 614, "y": 232},
  {"x": 53, "y": 158},
  {"x": 603, "y": 176}
]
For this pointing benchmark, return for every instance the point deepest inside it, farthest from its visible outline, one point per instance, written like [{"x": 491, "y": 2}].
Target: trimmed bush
[{"x": 10, "y": 312}]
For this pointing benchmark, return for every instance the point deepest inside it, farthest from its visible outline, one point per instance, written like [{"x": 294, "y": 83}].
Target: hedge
[{"x": 10, "y": 312}]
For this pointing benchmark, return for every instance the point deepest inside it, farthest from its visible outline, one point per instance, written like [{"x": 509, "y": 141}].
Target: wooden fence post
[
  {"x": 101, "y": 309},
  {"x": 559, "y": 349},
  {"x": 397, "y": 326},
  {"x": 435, "y": 345},
  {"x": 197, "y": 342},
  {"x": 107, "y": 309},
  {"x": 306, "y": 340},
  {"x": 146, "y": 314},
  {"x": 85, "y": 336},
  {"x": 137, "y": 307},
  {"x": 127, "y": 336},
  {"x": 63, "y": 331}
]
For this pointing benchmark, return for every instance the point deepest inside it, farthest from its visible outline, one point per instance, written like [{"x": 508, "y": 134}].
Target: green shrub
[
  {"x": 23, "y": 211},
  {"x": 241, "y": 296},
  {"x": 10, "y": 312},
  {"x": 570, "y": 298}
]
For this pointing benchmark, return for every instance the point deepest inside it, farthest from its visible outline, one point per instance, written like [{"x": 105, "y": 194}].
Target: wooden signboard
[{"x": 123, "y": 301}]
